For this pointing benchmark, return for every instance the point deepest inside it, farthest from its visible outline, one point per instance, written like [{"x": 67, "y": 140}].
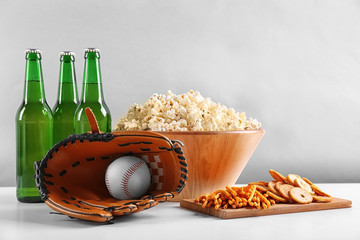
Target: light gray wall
[{"x": 293, "y": 65}]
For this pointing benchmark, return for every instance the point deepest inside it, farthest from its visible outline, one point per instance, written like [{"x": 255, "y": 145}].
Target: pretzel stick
[
  {"x": 206, "y": 201},
  {"x": 253, "y": 189},
  {"x": 264, "y": 205},
  {"x": 231, "y": 191},
  {"x": 263, "y": 199},
  {"x": 210, "y": 203}
]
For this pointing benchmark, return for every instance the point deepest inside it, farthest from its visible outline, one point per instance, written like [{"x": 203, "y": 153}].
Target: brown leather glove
[{"x": 71, "y": 177}]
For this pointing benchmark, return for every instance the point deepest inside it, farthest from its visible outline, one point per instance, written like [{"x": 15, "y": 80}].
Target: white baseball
[{"x": 127, "y": 177}]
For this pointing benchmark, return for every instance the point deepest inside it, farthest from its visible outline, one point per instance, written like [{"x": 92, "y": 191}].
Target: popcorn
[{"x": 185, "y": 112}]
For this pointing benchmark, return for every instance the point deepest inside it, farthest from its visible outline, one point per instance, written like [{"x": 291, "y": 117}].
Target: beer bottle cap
[
  {"x": 32, "y": 50},
  {"x": 67, "y": 56},
  {"x": 67, "y": 53},
  {"x": 92, "y": 51},
  {"x": 32, "y": 53}
]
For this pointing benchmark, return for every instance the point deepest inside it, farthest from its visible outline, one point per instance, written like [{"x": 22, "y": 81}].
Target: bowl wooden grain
[{"x": 215, "y": 158}]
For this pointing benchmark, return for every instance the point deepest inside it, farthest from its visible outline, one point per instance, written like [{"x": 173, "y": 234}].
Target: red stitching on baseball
[
  {"x": 126, "y": 178},
  {"x": 108, "y": 184}
]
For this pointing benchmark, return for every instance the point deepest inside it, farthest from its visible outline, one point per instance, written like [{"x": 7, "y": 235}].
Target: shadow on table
[
  {"x": 39, "y": 213},
  {"x": 197, "y": 214}
]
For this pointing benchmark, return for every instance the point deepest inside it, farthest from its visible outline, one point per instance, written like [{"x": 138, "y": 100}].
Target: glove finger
[
  {"x": 122, "y": 207},
  {"x": 144, "y": 204},
  {"x": 117, "y": 208},
  {"x": 160, "y": 196},
  {"x": 81, "y": 211}
]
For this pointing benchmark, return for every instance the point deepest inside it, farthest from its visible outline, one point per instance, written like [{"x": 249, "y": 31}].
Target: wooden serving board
[{"x": 275, "y": 209}]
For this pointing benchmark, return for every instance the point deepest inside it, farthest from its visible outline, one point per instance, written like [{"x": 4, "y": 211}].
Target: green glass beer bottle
[
  {"x": 67, "y": 99},
  {"x": 92, "y": 96},
  {"x": 34, "y": 128}
]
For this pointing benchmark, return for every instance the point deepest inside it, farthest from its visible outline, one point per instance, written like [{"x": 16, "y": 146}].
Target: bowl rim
[{"x": 260, "y": 130}]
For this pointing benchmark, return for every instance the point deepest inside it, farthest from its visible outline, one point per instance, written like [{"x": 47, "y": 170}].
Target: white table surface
[{"x": 169, "y": 221}]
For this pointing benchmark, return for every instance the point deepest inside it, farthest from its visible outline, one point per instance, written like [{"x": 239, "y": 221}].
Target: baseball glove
[{"x": 71, "y": 177}]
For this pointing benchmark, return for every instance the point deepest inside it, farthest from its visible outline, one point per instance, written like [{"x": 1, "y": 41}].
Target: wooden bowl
[{"x": 215, "y": 158}]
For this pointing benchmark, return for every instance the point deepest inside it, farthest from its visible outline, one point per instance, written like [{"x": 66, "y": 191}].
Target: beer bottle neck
[
  {"x": 92, "y": 85},
  {"x": 67, "y": 83},
  {"x": 34, "y": 85}
]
